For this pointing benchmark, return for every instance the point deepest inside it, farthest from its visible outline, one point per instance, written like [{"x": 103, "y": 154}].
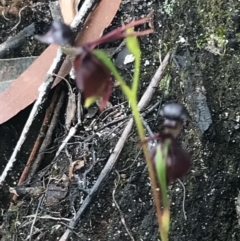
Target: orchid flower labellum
[
  {"x": 177, "y": 160},
  {"x": 93, "y": 78}
]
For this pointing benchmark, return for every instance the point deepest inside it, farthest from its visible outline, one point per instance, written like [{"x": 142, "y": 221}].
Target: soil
[{"x": 202, "y": 33}]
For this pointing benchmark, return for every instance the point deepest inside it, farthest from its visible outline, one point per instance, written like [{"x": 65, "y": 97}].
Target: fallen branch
[
  {"x": 118, "y": 148},
  {"x": 44, "y": 89},
  {"x": 119, "y": 209}
]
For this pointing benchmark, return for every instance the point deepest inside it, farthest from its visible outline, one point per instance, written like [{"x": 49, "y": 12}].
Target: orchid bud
[{"x": 169, "y": 158}]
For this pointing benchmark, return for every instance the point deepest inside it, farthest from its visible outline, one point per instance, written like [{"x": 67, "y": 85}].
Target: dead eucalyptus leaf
[
  {"x": 76, "y": 165},
  {"x": 54, "y": 194},
  {"x": 13, "y": 191},
  {"x": 69, "y": 9}
]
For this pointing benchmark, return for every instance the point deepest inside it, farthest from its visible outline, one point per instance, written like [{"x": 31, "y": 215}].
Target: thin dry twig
[
  {"x": 20, "y": 18},
  {"x": 71, "y": 133},
  {"x": 115, "y": 128},
  {"x": 150, "y": 133},
  {"x": 79, "y": 108},
  {"x": 79, "y": 238},
  {"x": 118, "y": 148},
  {"x": 47, "y": 217},
  {"x": 35, "y": 217},
  {"x": 71, "y": 105},
  {"x": 184, "y": 197},
  {"x": 36, "y": 231},
  {"x": 42, "y": 234},
  {"x": 119, "y": 209},
  {"x": 113, "y": 122},
  {"x": 134, "y": 161},
  {"x": 3, "y": 14},
  {"x": 66, "y": 81},
  {"x": 48, "y": 138}
]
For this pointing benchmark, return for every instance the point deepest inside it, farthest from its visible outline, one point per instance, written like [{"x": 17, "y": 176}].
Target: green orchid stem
[
  {"x": 131, "y": 95},
  {"x": 136, "y": 73},
  {"x": 156, "y": 196},
  {"x": 133, "y": 46},
  {"x": 162, "y": 153}
]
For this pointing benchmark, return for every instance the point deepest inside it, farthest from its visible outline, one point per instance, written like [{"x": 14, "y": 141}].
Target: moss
[{"x": 208, "y": 21}]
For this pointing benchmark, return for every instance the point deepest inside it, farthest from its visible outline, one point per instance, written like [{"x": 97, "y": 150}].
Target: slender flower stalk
[{"x": 154, "y": 186}]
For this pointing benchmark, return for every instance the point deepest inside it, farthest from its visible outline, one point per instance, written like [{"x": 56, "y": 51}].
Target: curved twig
[{"x": 20, "y": 18}]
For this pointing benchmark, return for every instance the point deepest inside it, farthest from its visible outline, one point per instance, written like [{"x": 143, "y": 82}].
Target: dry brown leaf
[
  {"x": 76, "y": 165},
  {"x": 13, "y": 191},
  {"x": 69, "y": 9},
  {"x": 25, "y": 89},
  {"x": 101, "y": 18}
]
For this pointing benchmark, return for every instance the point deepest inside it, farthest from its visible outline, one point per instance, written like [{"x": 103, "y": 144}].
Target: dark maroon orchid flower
[
  {"x": 177, "y": 161},
  {"x": 93, "y": 78}
]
